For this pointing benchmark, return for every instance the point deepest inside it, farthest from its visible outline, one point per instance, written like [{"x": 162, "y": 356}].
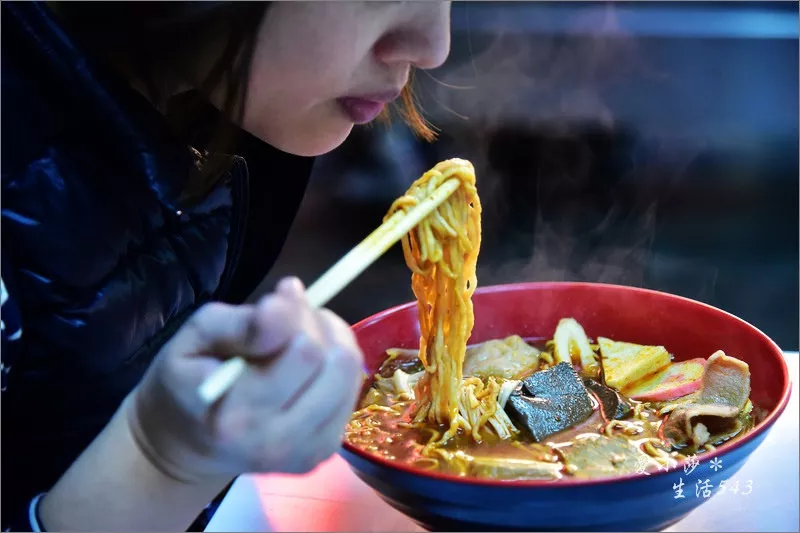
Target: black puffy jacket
[{"x": 100, "y": 258}]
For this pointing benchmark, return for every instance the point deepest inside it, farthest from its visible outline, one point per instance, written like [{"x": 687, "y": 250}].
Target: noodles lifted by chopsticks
[{"x": 442, "y": 252}]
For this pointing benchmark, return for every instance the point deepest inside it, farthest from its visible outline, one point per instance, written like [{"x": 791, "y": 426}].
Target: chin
[
  {"x": 320, "y": 144},
  {"x": 311, "y": 142}
]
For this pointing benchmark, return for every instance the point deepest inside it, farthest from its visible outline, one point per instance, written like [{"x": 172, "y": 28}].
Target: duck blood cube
[
  {"x": 613, "y": 405},
  {"x": 549, "y": 401}
]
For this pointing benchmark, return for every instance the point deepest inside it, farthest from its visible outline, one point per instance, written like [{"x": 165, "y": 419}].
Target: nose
[{"x": 422, "y": 41}]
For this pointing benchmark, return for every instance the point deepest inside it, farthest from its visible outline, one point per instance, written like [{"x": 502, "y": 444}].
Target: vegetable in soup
[{"x": 561, "y": 417}]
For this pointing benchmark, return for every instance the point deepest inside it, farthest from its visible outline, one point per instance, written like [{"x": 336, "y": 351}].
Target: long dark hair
[{"x": 153, "y": 42}]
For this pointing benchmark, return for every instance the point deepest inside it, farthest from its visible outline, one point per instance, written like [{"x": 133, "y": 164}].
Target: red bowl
[{"x": 687, "y": 328}]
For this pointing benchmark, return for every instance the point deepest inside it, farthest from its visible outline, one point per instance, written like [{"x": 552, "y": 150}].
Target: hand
[{"x": 286, "y": 413}]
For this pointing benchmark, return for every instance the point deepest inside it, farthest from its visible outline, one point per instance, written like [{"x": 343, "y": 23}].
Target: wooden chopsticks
[{"x": 339, "y": 276}]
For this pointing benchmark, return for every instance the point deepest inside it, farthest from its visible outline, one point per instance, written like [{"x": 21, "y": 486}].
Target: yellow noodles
[
  {"x": 442, "y": 253},
  {"x": 629, "y": 428},
  {"x": 478, "y": 406},
  {"x": 637, "y": 410}
]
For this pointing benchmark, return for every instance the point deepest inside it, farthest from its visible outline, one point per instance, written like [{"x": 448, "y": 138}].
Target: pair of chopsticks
[{"x": 339, "y": 276}]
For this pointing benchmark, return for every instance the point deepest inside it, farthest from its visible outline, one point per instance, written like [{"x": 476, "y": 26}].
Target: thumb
[
  {"x": 220, "y": 329},
  {"x": 245, "y": 330},
  {"x": 291, "y": 287}
]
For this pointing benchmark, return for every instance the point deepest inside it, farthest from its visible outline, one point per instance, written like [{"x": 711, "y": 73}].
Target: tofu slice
[
  {"x": 674, "y": 381},
  {"x": 624, "y": 363}
]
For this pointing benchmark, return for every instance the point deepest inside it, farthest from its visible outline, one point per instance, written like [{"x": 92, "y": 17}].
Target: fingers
[
  {"x": 249, "y": 330},
  {"x": 282, "y": 380},
  {"x": 295, "y": 439},
  {"x": 293, "y": 372},
  {"x": 319, "y": 416},
  {"x": 288, "y": 411},
  {"x": 278, "y": 383},
  {"x": 291, "y": 415},
  {"x": 336, "y": 384},
  {"x": 336, "y": 331},
  {"x": 281, "y": 316},
  {"x": 215, "y": 324}
]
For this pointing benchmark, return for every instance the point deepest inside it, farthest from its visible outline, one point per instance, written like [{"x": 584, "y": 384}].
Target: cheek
[
  {"x": 306, "y": 130},
  {"x": 296, "y": 76},
  {"x": 312, "y": 48}
]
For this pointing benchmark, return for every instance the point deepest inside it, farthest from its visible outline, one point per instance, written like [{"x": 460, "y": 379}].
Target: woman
[{"x": 131, "y": 237}]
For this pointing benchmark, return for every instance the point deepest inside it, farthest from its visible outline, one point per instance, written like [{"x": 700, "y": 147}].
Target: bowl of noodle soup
[
  {"x": 496, "y": 408},
  {"x": 441, "y": 500}
]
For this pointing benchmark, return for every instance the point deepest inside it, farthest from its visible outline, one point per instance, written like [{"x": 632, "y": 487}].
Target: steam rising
[{"x": 569, "y": 191}]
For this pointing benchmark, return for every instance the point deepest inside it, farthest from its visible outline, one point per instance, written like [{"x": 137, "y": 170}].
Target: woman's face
[{"x": 321, "y": 67}]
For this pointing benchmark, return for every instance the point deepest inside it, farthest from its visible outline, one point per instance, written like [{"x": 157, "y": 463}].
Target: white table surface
[{"x": 323, "y": 499}]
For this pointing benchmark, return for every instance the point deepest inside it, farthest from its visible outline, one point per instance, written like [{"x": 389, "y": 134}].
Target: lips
[
  {"x": 360, "y": 110},
  {"x": 366, "y": 108}
]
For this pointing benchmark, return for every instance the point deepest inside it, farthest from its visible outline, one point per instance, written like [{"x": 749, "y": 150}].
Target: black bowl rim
[{"x": 720, "y": 451}]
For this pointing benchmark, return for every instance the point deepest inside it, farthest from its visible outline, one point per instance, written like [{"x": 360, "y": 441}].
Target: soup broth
[{"x": 601, "y": 445}]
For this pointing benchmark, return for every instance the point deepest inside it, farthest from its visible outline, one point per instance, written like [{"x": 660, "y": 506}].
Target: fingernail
[{"x": 291, "y": 286}]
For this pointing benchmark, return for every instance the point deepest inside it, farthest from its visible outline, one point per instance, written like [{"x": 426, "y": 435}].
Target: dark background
[{"x": 653, "y": 145}]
